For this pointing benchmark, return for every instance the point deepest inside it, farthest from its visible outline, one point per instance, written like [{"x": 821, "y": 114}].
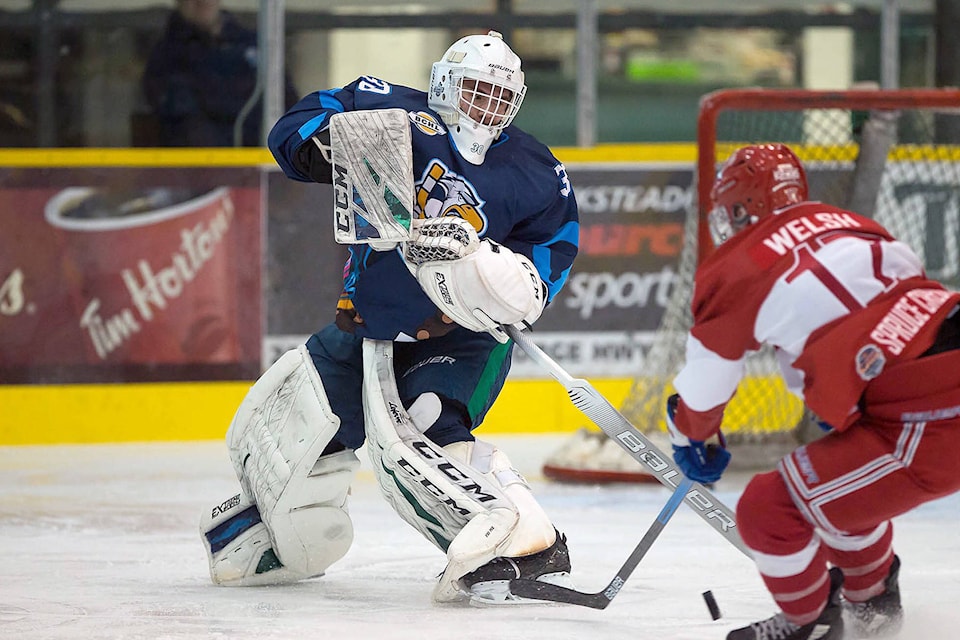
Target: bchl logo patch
[
  {"x": 426, "y": 123},
  {"x": 870, "y": 361}
]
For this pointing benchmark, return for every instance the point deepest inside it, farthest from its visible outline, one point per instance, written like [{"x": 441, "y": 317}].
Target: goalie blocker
[
  {"x": 372, "y": 174},
  {"x": 479, "y": 284}
]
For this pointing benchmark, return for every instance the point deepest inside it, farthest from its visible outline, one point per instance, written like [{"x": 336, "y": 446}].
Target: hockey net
[{"x": 890, "y": 155}]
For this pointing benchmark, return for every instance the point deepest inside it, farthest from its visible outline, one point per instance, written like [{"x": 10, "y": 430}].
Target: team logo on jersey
[
  {"x": 441, "y": 192},
  {"x": 426, "y": 123},
  {"x": 870, "y": 361}
]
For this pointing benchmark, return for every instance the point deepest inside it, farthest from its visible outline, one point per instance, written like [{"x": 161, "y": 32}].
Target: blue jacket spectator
[{"x": 199, "y": 76}]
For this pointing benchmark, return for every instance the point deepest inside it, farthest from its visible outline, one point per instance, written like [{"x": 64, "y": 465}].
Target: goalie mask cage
[{"x": 890, "y": 155}]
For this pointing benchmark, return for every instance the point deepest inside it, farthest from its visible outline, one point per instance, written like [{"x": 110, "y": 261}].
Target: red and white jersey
[{"x": 836, "y": 295}]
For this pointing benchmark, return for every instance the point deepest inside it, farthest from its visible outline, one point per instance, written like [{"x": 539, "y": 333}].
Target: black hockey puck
[{"x": 711, "y": 604}]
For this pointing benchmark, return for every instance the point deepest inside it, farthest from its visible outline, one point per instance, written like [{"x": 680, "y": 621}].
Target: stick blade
[{"x": 536, "y": 590}]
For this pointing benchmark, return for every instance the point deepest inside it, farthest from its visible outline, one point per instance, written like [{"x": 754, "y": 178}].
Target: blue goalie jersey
[{"x": 519, "y": 197}]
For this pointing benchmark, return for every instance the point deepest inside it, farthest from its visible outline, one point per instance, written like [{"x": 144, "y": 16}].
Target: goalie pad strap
[{"x": 275, "y": 442}]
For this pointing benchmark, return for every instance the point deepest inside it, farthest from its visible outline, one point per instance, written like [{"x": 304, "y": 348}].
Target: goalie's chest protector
[{"x": 512, "y": 189}]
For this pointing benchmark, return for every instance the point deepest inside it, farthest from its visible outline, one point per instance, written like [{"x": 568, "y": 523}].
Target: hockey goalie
[{"x": 458, "y": 224}]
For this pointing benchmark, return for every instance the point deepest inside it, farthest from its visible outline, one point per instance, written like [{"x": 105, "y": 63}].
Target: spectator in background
[{"x": 200, "y": 75}]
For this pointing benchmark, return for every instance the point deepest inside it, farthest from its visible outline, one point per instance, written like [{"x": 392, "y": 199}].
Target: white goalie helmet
[{"x": 477, "y": 88}]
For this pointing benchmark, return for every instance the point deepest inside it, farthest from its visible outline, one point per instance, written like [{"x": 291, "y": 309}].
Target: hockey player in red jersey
[{"x": 870, "y": 343}]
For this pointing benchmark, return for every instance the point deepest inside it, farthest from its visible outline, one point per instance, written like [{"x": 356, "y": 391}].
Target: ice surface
[{"x": 101, "y": 542}]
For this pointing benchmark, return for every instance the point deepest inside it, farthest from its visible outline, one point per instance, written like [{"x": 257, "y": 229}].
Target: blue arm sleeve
[
  {"x": 554, "y": 258},
  {"x": 551, "y": 239},
  {"x": 305, "y": 119}
]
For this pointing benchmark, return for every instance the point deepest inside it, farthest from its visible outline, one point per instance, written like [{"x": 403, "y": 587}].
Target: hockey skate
[
  {"x": 829, "y": 626},
  {"x": 882, "y": 614},
  {"x": 490, "y": 584}
]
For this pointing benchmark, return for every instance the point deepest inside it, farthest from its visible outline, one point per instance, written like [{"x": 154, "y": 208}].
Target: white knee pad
[{"x": 275, "y": 442}]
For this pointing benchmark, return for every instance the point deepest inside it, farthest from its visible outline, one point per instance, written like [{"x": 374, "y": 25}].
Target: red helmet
[{"x": 753, "y": 183}]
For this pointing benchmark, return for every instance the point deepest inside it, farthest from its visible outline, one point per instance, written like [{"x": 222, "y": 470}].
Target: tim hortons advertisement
[{"x": 129, "y": 275}]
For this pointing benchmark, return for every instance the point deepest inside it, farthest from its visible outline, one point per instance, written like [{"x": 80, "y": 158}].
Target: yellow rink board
[
  {"x": 83, "y": 414},
  {"x": 252, "y": 157}
]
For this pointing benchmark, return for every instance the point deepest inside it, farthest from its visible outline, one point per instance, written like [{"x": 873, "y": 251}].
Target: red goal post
[{"x": 893, "y": 155}]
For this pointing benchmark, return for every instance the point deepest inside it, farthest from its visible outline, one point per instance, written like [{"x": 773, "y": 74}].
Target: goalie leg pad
[
  {"x": 465, "y": 498},
  {"x": 433, "y": 493},
  {"x": 275, "y": 442},
  {"x": 438, "y": 495},
  {"x": 238, "y": 546}
]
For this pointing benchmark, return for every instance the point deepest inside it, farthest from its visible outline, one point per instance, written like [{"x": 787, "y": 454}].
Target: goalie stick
[
  {"x": 546, "y": 591},
  {"x": 640, "y": 448}
]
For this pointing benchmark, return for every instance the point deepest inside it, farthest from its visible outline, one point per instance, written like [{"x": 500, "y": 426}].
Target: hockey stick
[
  {"x": 640, "y": 448},
  {"x": 526, "y": 588}
]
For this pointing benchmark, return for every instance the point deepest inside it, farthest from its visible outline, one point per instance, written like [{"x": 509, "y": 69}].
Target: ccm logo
[{"x": 341, "y": 199}]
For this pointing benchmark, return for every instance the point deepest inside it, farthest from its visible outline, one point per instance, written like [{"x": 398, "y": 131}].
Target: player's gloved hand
[
  {"x": 698, "y": 461},
  {"x": 824, "y": 426}
]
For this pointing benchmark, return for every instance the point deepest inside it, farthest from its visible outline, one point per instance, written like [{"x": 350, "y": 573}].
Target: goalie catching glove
[
  {"x": 479, "y": 284},
  {"x": 698, "y": 460}
]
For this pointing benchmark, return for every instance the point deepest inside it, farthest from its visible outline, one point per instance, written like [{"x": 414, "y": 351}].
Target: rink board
[{"x": 202, "y": 411}]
